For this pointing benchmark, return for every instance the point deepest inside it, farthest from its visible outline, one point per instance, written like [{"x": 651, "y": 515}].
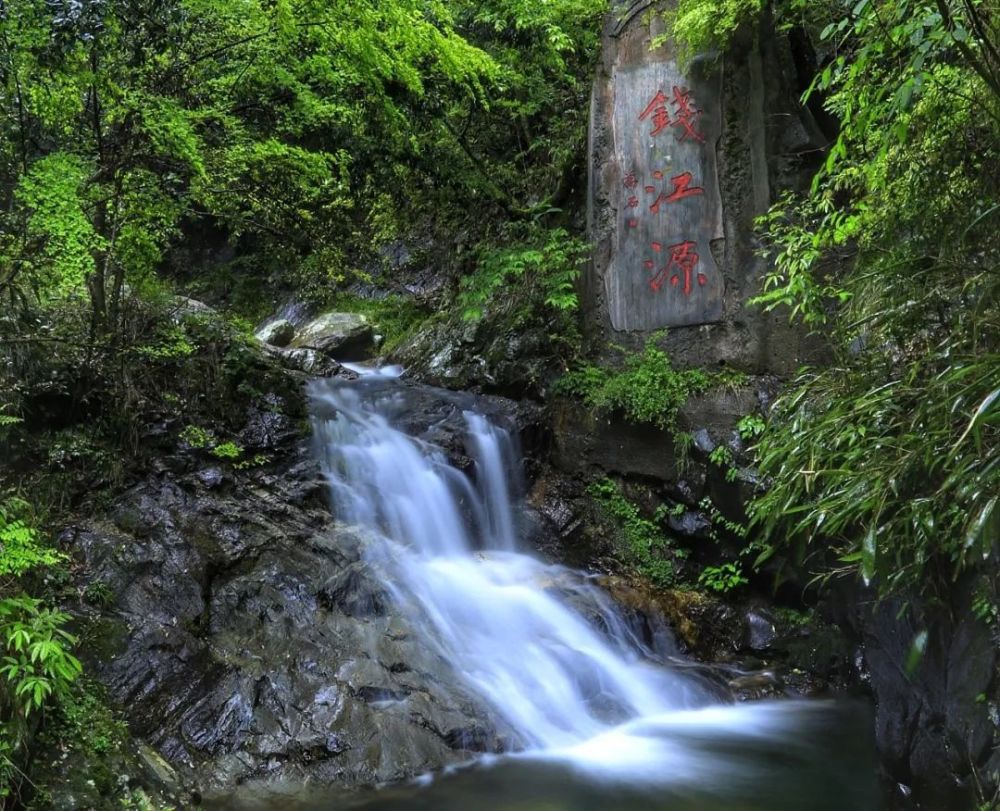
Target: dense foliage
[
  {"x": 891, "y": 457},
  {"x": 312, "y": 132}
]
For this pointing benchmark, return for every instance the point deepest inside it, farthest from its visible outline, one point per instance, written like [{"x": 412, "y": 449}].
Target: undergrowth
[
  {"x": 542, "y": 264},
  {"x": 643, "y": 545},
  {"x": 647, "y": 389}
]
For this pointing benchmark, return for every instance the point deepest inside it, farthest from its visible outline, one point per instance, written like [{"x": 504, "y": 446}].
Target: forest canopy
[{"x": 302, "y": 129}]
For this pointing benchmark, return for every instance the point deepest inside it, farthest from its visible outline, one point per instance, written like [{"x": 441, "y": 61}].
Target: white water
[{"x": 544, "y": 647}]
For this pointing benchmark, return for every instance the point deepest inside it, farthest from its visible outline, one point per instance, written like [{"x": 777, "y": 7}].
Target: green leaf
[{"x": 869, "y": 553}]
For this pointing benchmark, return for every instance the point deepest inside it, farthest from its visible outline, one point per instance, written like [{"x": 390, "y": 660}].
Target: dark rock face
[
  {"x": 481, "y": 356},
  {"x": 615, "y": 445},
  {"x": 252, "y": 644},
  {"x": 936, "y": 724}
]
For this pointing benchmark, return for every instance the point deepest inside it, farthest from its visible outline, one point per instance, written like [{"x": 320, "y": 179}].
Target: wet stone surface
[{"x": 249, "y": 641}]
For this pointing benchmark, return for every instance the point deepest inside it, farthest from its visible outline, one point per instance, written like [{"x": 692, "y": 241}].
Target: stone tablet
[{"x": 669, "y": 208}]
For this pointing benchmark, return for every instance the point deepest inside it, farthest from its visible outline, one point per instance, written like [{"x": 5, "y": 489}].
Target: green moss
[
  {"x": 227, "y": 450},
  {"x": 195, "y": 436},
  {"x": 642, "y": 544},
  {"x": 794, "y": 617}
]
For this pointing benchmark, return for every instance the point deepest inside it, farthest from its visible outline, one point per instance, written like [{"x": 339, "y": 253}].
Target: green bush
[
  {"x": 227, "y": 450},
  {"x": 647, "y": 390},
  {"x": 536, "y": 269},
  {"x": 20, "y": 548},
  {"x": 35, "y": 659},
  {"x": 37, "y": 663}
]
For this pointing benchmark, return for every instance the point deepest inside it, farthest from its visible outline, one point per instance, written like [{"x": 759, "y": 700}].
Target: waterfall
[
  {"x": 518, "y": 632},
  {"x": 495, "y": 462},
  {"x": 542, "y": 646}
]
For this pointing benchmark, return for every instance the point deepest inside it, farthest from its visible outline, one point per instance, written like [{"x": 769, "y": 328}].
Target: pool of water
[{"x": 781, "y": 756}]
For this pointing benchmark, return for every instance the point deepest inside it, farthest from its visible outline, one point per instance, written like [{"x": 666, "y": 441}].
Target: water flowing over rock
[
  {"x": 260, "y": 639},
  {"x": 497, "y": 616},
  {"x": 253, "y": 640}
]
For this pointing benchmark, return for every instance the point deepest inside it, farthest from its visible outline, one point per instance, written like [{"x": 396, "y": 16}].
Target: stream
[{"x": 591, "y": 714}]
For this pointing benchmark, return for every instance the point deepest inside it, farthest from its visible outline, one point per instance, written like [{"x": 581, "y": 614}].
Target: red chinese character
[
  {"x": 658, "y": 109},
  {"x": 684, "y": 258},
  {"x": 682, "y": 188},
  {"x": 633, "y": 223},
  {"x": 685, "y": 115},
  {"x": 633, "y": 202},
  {"x": 631, "y": 181}
]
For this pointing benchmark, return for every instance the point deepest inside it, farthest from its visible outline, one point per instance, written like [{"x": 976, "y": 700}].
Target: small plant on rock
[{"x": 722, "y": 579}]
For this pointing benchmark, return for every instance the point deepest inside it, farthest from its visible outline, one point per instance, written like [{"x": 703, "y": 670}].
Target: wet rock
[
  {"x": 277, "y": 333},
  {"x": 935, "y": 729},
  {"x": 755, "y": 686},
  {"x": 759, "y": 632},
  {"x": 703, "y": 441},
  {"x": 158, "y": 771},
  {"x": 266, "y": 430},
  {"x": 344, "y": 336},
  {"x": 255, "y": 643},
  {"x": 211, "y": 477},
  {"x": 246, "y": 659},
  {"x": 690, "y": 524},
  {"x": 309, "y": 361},
  {"x": 512, "y": 360},
  {"x": 355, "y": 593}
]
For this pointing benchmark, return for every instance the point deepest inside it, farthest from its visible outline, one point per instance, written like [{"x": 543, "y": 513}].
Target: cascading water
[{"x": 540, "y": 644}]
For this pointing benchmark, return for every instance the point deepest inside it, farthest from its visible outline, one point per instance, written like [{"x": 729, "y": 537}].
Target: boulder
[
  {"x": 935, "y": 723},
  {"x": 309, "y": 361},
  {"x": 183, "y": 306},
  {"x": 277, "y": 333},
  {"x": 344, "y": 336}
]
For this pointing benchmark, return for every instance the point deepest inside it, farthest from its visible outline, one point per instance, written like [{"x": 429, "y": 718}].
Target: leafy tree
[{"x": 292, "y": 125}]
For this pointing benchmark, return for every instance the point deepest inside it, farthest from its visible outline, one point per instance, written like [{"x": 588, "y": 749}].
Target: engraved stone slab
[{"x": 669, "y": 207}]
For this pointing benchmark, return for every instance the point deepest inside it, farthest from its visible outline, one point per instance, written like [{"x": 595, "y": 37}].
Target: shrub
[
  {"x": 540, "y": 264},
  {"x": 647, "y": 390}
]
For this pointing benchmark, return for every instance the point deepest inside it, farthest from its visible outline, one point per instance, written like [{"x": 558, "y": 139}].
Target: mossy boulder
[
  {"x": 343, "y": 336},
  {"x": 277, "y": 333}
]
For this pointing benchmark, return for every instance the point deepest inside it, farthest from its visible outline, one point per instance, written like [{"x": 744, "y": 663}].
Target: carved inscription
[{"x": 663, "y": 273}]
